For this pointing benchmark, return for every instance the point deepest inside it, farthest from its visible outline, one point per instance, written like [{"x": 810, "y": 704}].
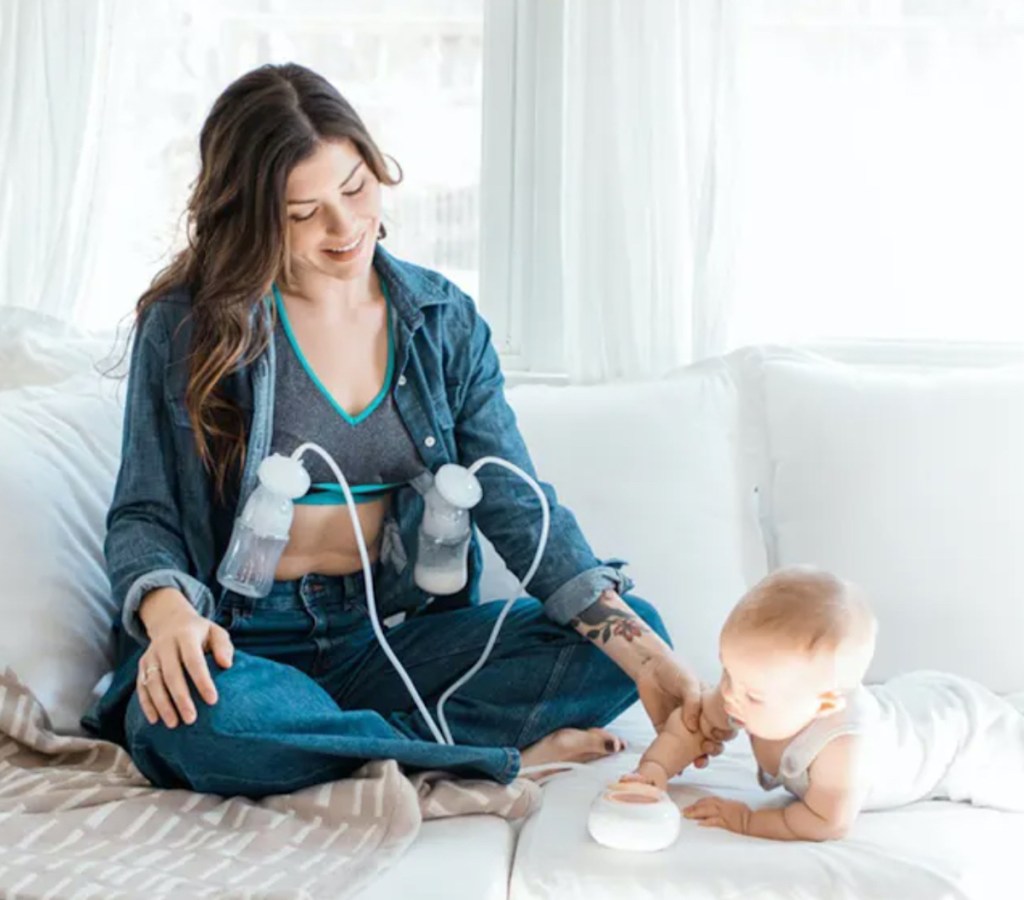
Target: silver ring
[{"x": 149, "y": 670}]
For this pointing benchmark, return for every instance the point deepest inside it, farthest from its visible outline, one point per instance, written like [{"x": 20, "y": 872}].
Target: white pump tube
[
  {"x": 371, "y": 603},
  {"x": 541, "y": 544},
  {"x": 443, "y": 734}
]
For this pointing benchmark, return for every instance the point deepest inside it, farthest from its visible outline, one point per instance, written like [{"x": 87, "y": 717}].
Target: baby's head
[{"x": 792, "y": 648}]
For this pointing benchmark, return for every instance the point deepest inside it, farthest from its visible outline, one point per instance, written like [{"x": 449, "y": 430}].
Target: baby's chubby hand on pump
[
  {"x": 648, "y": 773},
  {"x": 178, "y": 639},
  {"x": 676, "y": 747}
]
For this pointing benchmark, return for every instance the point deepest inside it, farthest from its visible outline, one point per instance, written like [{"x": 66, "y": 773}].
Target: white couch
[{"x": 908, "y": 481}]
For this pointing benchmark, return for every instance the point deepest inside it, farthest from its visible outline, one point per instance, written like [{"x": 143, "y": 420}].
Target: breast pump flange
[
  {"x": 632, "y": 815},
  {"x": 261, "y": 531},
  {"x": 445, "y": 531}
]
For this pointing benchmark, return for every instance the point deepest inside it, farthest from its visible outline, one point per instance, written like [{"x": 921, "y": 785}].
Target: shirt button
[
  {"x": 401, "y": 381},
  {"x": 429, "y": 440}
]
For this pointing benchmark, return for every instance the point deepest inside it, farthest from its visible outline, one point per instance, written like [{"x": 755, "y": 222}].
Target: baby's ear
[{"x": 830, "y": 702}]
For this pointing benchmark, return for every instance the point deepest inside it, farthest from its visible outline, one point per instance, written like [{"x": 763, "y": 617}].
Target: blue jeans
[{"x": 311, "y": 696}]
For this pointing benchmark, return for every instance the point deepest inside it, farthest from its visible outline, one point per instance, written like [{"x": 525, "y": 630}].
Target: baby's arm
[
  {"x": 672, "y": 750},
  {"x": 838, "y": 785}
]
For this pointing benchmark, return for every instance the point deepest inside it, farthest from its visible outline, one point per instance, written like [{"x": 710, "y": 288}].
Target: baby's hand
[
  {"x": 648, "y": 773},
  {"x": 714, "y": 812},
  {"x": 635, "y": 777}
]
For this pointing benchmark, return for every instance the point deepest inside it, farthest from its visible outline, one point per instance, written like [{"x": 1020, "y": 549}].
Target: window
[
  {"x": 879, "y": 190},
  {"x": 411, "y": 68}
]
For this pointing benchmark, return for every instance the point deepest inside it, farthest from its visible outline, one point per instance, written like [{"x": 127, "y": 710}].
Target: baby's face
[{"x": 772, "y": 691}]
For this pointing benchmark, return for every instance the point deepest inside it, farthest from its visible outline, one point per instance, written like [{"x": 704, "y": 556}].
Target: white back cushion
[
  {"x": 912, "y": 485},
  {"x": 60, "y": 448},
  {"x": 651, "y": 472},
  {"x": 38, "y": 349}
]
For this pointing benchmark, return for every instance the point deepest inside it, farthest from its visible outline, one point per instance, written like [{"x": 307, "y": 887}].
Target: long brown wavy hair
[{"x": 259, "y": 129}]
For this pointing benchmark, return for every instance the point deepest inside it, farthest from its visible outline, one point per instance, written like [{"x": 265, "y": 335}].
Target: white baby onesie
[{"x": 928, "y": 736}]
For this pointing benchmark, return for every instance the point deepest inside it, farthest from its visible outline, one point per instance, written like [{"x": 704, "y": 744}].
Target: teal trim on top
[
  {"x": 366, "y": 413},
  {"x": 329, "y": 493}
]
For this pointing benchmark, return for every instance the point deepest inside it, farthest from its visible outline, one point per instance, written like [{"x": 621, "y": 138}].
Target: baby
[{"x": 794, "y": 652}]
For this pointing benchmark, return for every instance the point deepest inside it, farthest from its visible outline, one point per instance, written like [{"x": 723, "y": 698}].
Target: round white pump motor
[{"x": 631, "y": 815}]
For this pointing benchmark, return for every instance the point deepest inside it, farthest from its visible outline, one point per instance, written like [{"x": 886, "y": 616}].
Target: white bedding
[
  {"x": 466, "y": 858},
  {"x": 921, "y": 852}
]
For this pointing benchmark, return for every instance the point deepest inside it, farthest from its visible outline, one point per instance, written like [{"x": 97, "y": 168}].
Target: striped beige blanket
[{"x": 77, "y": 819}]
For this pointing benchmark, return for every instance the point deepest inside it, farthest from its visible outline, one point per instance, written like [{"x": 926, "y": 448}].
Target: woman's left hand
[{"x": 664, "y": 684}]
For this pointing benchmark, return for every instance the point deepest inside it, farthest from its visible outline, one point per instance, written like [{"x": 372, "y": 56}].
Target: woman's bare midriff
[{"x": 322, "y": 541}]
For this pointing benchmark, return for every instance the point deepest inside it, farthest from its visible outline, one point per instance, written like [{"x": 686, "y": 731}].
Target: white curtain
[
  {"x": 693, "y": 175},
  {"x": 644, "y": 217},
  {"x": 619, "y": 239},
  {"x": 879, "y": 181},
  {"x": 102, "y": 101},
  {"x": 55, "y": 71}
]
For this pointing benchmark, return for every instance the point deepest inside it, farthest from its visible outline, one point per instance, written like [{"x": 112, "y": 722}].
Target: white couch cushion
[
  {"x": 919, "y": 852},
  {"x": 465, "y": 858},
  {"x": 60, "y": 448},
  {"x": 38, "y": 349},
  {"x": 912, "y": 485},
  {"x": 651, "y": 471}
]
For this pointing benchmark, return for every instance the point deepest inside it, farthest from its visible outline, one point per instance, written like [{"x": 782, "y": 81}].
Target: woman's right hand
[{"x": 178, "y": 639}]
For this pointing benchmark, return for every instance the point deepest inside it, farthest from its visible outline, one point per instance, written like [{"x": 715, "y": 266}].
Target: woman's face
[{"x": 333, "y": 203}]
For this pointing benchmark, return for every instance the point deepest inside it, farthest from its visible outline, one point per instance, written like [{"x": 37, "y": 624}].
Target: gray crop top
[{"x": 372, "y": 449}]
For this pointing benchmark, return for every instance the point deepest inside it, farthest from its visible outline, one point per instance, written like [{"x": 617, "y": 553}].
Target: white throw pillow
[
  {"x": 38, "y": 349},
  {"x": 651, "y": 471},
  {"x": 912, "y": 485},
  {"x": 59, "y": 450}
]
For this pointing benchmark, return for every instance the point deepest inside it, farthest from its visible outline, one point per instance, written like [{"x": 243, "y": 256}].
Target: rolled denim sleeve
[
  {"x": 144, "y": 546},
  {"x": 566, "y": 603},
  {"x": 569, "y": 577}
]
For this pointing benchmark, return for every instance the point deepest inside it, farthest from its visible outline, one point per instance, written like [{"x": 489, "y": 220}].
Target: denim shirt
[{"x": 166, "y": 527}]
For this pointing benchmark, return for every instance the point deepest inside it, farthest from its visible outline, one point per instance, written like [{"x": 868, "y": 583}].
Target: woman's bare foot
[{"x": 571, "y": 745}]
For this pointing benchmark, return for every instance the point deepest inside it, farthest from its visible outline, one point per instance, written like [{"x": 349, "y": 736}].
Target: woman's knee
[
  {"x": 166, "y": 755},
  {"x": 650, "y": 616},
  {"x": 151, "y": 746},
  {"x": 179, "y": 756}
]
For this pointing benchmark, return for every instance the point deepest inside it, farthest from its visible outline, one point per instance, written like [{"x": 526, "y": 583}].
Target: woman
[{"x": 284, "y": 321}]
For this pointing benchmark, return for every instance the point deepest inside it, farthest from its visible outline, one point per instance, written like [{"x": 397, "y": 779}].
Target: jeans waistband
[{"x": 313, "y": 588}]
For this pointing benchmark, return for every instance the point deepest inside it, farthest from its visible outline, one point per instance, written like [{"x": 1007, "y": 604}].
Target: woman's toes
[
  {"x": 611, "y": 743},
  {"x": 595, "y": 743},
  {"x": 573, "y": 745}
]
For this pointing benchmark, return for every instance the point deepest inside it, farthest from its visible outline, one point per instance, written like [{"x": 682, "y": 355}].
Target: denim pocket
[
  {"x": 270, "y": 626},
  {"x": 454, "y": 395},
  {"x": 224, "y": 611},
  {"x": 442, "y": 413}
]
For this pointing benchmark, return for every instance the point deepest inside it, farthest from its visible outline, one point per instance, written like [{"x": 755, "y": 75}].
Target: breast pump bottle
[
  {"x": 261, "y": 531},
  {"x": 445, "y": 530}
]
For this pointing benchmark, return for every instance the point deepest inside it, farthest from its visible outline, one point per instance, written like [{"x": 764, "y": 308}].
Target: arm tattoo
[{"x": 604, "y": 621}]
